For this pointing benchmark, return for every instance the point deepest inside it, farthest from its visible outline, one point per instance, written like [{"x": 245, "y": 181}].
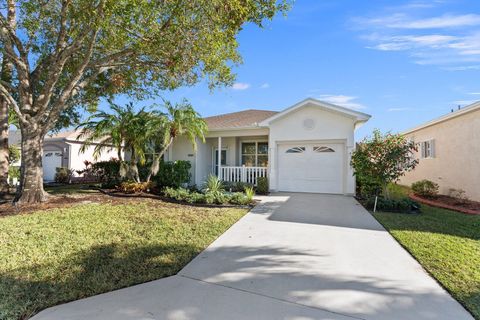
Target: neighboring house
[
  {"x": 63, "y": 150},
  {"x": 449, "y": 151},
  {"x": 304, "y": 148}
]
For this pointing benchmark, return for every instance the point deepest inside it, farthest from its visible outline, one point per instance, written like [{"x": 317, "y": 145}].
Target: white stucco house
[
  {"x": 304, "y": 148},
  {"x": 63, "y": 150}
]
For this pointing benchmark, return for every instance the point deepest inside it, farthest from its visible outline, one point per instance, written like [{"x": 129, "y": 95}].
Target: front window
[{"x": 255, "y": 154}]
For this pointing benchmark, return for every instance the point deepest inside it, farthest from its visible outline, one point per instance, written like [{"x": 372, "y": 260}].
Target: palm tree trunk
[{"x": 156, "y": 161}]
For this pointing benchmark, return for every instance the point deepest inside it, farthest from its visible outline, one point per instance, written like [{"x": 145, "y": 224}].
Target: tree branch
[{"x": 12, "y": 103}]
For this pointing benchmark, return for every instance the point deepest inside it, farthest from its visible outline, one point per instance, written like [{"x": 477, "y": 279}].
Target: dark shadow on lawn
[
  {"x": 433, "y": 220},
  {"x": 97, "y": 270}
]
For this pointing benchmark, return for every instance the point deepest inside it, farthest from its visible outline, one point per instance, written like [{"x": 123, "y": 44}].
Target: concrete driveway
[{"x": 295, "y": 256}]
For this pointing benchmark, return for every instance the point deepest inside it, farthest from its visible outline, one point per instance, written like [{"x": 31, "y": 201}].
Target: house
[
  {"x": 304, "y": 148},
  {"x": 449, "y": 151},
  {"x": 63, "y": 150}
]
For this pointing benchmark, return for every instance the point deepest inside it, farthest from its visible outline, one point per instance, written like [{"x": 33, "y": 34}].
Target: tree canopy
[{"x": 68, "y": 53}]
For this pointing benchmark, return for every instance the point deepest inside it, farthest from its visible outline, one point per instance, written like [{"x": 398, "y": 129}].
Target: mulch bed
[
  {"x": 104, "y": 196},
  {"x": 446, "y": 202},
  {"x": 58, "y": 201}
]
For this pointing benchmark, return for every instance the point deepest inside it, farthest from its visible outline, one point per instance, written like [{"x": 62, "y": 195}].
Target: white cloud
[
  {"x": 453, "y": 43},
  {"x": 398, "y": 109},
  {"x": 464, "y": 102},
  {"x": 240, "y": 86},
  {"x": 402, "y": 20},
  {"x": 474, "y": 93},
  {"x": 342, "y": 100},
  {"x": 266, "y": 85}
]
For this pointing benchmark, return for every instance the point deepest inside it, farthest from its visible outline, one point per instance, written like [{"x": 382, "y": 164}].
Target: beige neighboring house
[
  {"x": 449, "y": 151},
  {"x": 63, "y": 150}
]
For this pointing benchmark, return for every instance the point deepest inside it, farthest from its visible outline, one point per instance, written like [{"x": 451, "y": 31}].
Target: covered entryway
[
  {"x": 311, "y": 167},
  {"x": 51, "y": 161}
]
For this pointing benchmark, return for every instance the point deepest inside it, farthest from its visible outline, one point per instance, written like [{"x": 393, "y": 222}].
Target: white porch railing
[{"x": 243, "y": 174}]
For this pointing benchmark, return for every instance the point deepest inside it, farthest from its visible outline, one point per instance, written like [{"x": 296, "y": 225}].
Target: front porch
[{"x": 239, "y": 159}]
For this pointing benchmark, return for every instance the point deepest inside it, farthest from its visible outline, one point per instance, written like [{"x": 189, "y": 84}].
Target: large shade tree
[{"x": 71, "y": 52}]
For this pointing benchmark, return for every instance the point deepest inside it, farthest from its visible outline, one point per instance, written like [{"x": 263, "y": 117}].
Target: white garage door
[
  {"x": 311, "y": 167},
  {"x": 51, "y": 161}
]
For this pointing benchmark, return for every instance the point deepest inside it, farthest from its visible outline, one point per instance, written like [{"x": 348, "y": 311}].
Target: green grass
[
  {"x": 447, "y": 244},
  {"x": 59, "y": 255},
  {"x": 70, "y": 189}
]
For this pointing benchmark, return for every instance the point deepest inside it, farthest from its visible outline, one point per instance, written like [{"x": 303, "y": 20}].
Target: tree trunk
[
  {"x": 31, "y": 170},
  {"x": 3, "y": 147},
  {"x": 156, "y": 161},
  {"x": 6, "y": 76}
]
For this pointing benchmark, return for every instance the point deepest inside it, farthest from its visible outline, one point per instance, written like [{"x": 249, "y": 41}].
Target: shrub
[
  {"x": 249, "y": 193},
  {"x": 213, "y": 184},
  {"x": 240, "y": 199},
  {"x": 262, "y": 185},
  {"x": 425, "y": 188},
  {"x": 238, "y": 186},
  {"x": 405, "y": 205},
  {"x": 13, "y": 172},
  {"x": 63, "y": 175},
  {"x": 179, "y": 194},
  {"x": 106, "y": 172},
  {"x": 173, "y": 174},
  {"x": 382, "y": 159},
  {"x": 134, "y": 187}
]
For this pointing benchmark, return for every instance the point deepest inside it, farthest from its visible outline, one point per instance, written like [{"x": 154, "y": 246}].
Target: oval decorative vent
[{"x": 309, "y": 124}]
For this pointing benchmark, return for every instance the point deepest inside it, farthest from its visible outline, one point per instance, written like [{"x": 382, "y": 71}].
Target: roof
[
  {"x": 241, "y": 119},
  {"x": 457, "y": 113},
  {"x": 359, "y": 117},
  {"x": 14, "y": 137}
]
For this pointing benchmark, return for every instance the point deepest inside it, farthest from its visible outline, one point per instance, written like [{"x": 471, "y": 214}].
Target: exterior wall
[
  {"x": 329, "y": 126},
  {"x": 77, "y": 158},
  {"x": 182, "y": 149},
  {"x": 456, "y": 161}
]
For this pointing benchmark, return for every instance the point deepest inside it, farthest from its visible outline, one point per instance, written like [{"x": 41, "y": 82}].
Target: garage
[
  {"x": 311, "y": 167},
  {"x": 51, "y": 161}
]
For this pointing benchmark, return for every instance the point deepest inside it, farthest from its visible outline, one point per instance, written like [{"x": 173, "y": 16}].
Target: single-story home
[
  {"x": 449, "y": 151},
  {"x": 63, "y": 150},
  {"x": 304, "y": 148}
]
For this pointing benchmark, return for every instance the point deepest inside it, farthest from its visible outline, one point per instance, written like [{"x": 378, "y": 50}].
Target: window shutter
[
  {"x": 432, "y": 148},
  {"x": 422, "y": 150}
]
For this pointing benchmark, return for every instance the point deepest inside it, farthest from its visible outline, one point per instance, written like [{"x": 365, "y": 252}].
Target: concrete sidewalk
[{"x": 295, "y": 256}]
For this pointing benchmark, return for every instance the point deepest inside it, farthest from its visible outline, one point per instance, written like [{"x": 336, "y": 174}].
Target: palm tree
[
  {"x": 179, "y": 120},
  {"x": 123, "y": 130}
]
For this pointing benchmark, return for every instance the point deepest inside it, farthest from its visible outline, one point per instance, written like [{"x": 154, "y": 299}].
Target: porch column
[{"x": 219, "y": 163}]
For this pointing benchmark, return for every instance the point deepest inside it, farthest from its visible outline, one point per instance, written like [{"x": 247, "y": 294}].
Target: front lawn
[
  {"x": 63, "y": 254},
  {"x": 447, "y": 244}
]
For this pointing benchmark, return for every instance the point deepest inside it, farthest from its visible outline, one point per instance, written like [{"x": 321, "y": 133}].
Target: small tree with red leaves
[{"x": 382, "y": 159}]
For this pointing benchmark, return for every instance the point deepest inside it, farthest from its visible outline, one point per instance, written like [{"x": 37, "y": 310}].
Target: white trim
[
  {"x": 358, "y": 116},
  {"x": 451, "y": 115}
]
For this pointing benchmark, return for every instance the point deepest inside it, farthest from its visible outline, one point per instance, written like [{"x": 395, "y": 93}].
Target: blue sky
[{"x": 403, "y": 62}]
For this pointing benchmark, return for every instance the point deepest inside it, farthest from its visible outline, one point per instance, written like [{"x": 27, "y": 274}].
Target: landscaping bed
[
  {"x": 447, "y": 202},
  {"x": 93, "y": 246}
]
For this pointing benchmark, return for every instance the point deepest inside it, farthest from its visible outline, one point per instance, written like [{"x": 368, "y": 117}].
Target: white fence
[{"x": 243, "y": 174}]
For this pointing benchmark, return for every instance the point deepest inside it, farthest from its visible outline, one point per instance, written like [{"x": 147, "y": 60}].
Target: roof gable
[{"x": 356, "y": 115}]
